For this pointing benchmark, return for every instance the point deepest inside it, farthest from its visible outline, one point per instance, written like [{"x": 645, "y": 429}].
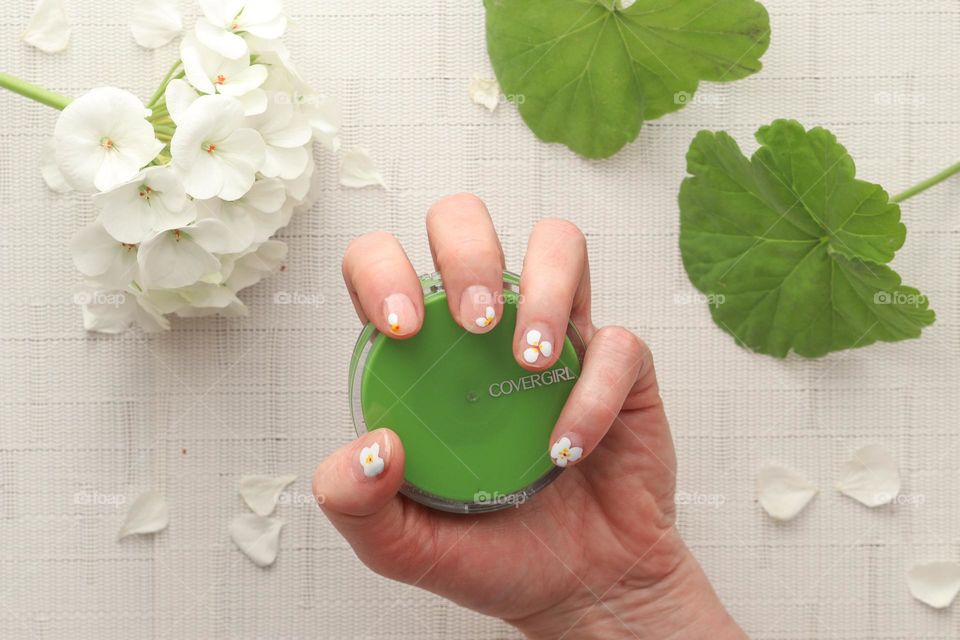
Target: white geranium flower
[
  {"x": 321, "y": 112},
  {"x": 153, "y": 201},
  {"x": 225, "y": 22},
  {"x": 96, "y": 254},
  {"x": 103, "y": 139},
  {"x": 236, "y": 219},
  {"x": 255, "y": 217},
  {"x": 215, "y": 154},
  {"x": 298, "y": 189},
  {"x": 155, "y": 22},
  {"x": 114, "y": 311},
  {"x": 250, "y": 268},
  {"x": 178, "y": 96},
  {"x": 181, "y": 257},
  {"x": 209, "y": 72},
  {"x": 49, "y": 28},
  {"x": 285, "y": 132}
]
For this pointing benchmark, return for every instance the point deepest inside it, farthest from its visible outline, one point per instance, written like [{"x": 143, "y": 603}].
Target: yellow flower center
[
  {"x": 369, "y": 458},
  {"x": 221, "y": 79},
  {"x": 106, "y": 143},
  {"x": 209, "y": 147}
]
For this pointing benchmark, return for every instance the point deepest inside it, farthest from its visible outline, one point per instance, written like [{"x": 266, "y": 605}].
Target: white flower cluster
[{"x": 192, "y": 186}]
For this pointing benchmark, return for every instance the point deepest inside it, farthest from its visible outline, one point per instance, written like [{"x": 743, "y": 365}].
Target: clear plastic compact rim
[{"x": 433, "y": 285}]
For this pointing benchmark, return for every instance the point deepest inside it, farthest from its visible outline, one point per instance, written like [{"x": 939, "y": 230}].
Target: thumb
[{"x": 356, "y": 487}]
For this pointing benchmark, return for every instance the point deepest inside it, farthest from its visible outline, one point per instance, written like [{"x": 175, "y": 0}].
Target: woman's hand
[{"x": 595, "y": 554}]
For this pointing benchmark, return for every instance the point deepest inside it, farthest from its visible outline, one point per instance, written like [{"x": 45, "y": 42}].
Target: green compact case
[{"x": 475, "y": 425}]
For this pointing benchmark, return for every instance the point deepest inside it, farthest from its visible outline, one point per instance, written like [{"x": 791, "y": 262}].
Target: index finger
[{"x": 383, "y": 284}]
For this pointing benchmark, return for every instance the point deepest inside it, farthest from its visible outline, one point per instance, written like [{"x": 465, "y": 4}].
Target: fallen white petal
[
  {"x": 782, "y": 492},
  {"x": 485, "y": 92},
  {"x": 936, "y": 584},
  {"x": 358, "y": 170},
  {"x": 261, "y": 492},
  {"x": 49, "y": 28},
  {"x": 49, "y": 169},
  {"x": 147, "y": 514},
  {"x": 258, "y": 537},
  {"x": 155, "y": 23},
  {"x": 871, "y": 476}
]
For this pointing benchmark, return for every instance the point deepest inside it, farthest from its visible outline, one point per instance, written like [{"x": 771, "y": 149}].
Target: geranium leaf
[
  {"x": 790, "y": 248},
  {"x": 587, "y": 73}
]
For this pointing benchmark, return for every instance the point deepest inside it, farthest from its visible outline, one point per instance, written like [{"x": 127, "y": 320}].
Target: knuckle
[
  {"x": 362, "y": 244},
  {"x": 621, "y": 340},
  {"x": 471, "y": 253}
]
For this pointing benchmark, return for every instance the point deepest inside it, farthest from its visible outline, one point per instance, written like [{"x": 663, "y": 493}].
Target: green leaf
[
  {"x": 588, "y": 73},
  {"x": 790, "y": 248}
]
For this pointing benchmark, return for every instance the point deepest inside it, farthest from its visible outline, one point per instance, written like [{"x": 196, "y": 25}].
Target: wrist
[{"x": 680, "y": 606}]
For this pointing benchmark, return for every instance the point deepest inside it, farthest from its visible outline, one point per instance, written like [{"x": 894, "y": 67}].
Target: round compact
[{"x": 475, "y": 426}]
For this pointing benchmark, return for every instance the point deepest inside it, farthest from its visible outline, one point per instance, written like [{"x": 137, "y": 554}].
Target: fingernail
[
  {"x": 477, "y": 309},
  {"x": 564, "y": 452},
  {"x": 537, "y": 348},
  {"x": 370, "y": 460},
  {"x": 400, "y": 313}
]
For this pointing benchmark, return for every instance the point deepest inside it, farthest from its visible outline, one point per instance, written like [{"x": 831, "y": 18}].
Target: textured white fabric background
[{"x": 191, "y": 411}]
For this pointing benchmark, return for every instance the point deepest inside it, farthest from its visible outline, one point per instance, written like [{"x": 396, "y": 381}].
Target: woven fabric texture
[{"x": 87, "y": 421}]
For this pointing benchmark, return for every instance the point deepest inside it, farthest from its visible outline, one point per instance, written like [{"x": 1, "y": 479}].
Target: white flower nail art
[
  {"x": 488, "y": 317},
  {"x": 562, "y": 452},
  {"x": 371, "y": 461},
  {"x": 394, "y": 322},
  {"x": 538, "y": 346}
]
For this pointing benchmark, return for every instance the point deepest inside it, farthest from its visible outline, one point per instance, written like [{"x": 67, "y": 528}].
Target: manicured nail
[
  {"x": 477, "y": 310},
  {"x": 400, "y": 313},
  {"x": 371, "y": 461},
  {"x": 537, "y": 346},
  {"x": 563, "y": 451}
]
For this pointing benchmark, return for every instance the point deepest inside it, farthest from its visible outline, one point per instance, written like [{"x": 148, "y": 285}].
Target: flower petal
[
  {"x": 486, "y": 92},
  {"x": 258, "y": 537},
  {"x": 148, "y": 514},
  {"x": 49, "y": 169},
  {"x": 179, "y": 95},
  {"x": 218, "y": 39},
  {"x": 170, "y": 260},
  {"x": 546, "y": 348},
  {"x": 155, "y": 22},
  {"x": 358, "y": 170},
  {"x": 533, "y": 337},
  {"x": 783, "y": 493},
  {"x": 261, "y": 492},
  {"x": 936, "y": 584},
  {"x": 871, "y": 477},
  {"x": 531, "y": 354},
  {"x": 49, "y": 27}
]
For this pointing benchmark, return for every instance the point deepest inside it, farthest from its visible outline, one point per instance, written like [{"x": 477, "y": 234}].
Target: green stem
[
  {"x": 926, "y": 184},
  {"x": 163, "y": 85},
  {"x": 32, "y": 91}
]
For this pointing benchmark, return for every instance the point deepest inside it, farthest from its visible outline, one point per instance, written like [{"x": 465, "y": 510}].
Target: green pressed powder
[{"x": 475, "y": 426}]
